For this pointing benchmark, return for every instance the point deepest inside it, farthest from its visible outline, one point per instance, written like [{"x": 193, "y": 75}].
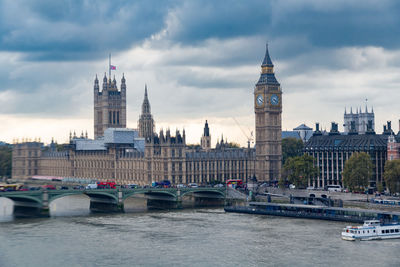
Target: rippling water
[{"x": 190, "y": 237}]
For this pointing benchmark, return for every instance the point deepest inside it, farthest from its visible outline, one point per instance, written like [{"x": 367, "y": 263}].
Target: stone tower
[
  {"x": 146, "y": 121},
  {"x": 25, "y": 159},
  {"x": 358, "y": 122},
  {"x": 268, "y": 123},
  {"x": 206, "y": 138},
  {"x": 109, "y": 106}
]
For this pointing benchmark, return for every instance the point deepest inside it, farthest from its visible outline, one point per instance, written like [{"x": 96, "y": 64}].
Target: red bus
[
  {"x": 234, "y": 183},
  {"x": 106, "y": 185}
]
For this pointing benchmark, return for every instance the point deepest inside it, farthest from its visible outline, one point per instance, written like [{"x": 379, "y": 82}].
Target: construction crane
[{"x": 249, "y": 139}]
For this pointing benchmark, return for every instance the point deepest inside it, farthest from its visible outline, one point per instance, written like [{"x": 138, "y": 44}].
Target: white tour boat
[{"x": 371, "y": 230}]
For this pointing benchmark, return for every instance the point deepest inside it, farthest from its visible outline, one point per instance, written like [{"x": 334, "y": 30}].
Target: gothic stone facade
[
  {"x": 162, "y": 156},
  {"x": 393, "y": 147}
]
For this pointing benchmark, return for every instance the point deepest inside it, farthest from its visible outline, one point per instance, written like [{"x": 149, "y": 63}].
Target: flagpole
[{"x": 109, "y": 66}]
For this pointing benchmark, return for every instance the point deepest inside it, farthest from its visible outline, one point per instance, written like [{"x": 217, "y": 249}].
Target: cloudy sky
[{"x": 200, "y": 60}]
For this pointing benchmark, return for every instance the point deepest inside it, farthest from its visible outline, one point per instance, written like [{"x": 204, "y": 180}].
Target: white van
[
  {"x": 334, "y": 188},
  {"x": 91, "y": 186}
]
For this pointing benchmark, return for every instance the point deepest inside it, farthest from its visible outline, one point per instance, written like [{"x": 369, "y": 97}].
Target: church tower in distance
[
  {"x": 206, "y": 138},
  {"x": 146, "y": 121},
  {"x": 268, "y": 123},
  {"x": 109, "y": 106}
]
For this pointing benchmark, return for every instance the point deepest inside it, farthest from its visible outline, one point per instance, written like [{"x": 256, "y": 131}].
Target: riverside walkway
[{"x": 36, "y": 202}]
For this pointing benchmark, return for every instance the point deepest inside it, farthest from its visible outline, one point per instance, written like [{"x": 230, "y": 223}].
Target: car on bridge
[
  {"x": 24, "y": 188},
  {"x": 79, "y": 187},
  {"x": 34, "y": 188},
  {"x": 10, "y": 187},
  {"x": 162, "y": 184},
  {"x": 49, "y": 187}
]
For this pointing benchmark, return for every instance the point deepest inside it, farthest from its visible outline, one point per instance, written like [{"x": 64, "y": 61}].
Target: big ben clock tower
[{"x": 268, "y": 110}]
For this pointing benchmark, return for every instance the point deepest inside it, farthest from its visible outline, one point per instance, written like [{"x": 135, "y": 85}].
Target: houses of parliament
[{"x": 141, "y": 155}]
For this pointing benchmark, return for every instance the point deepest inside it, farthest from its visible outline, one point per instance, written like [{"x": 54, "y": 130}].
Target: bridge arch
[
  {"x": 53, "y": 197},
  {"x": 26, "y": 205},
  {"x": 23, "y": 198},
  {"x": 102, "y": 193},
  {"x": 172, "y": 194},
  {"x": 206, "y": 191}
]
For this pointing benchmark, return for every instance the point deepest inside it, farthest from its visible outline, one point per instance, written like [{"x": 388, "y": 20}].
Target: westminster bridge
[{"x": 37, "y": 202}]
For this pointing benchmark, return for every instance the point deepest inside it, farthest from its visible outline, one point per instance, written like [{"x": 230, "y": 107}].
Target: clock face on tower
[
  {"x": 274, "y": 100},
  {"x": 260, "y": 100}
]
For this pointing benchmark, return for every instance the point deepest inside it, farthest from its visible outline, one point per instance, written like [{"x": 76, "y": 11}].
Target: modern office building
[{"x": 331, "y": 152}]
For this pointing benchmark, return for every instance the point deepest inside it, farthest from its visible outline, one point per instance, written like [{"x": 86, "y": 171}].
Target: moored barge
[{"x": 315, "y": 212}]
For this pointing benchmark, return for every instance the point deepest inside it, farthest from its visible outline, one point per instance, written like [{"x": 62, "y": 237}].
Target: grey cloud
[
  {"x": 83, "y": 30},
  {"x": 22, "y": 76},
  {"x": 336, "y": 24},
  {"x": 230, "y": 53},
  {"x": 206, "y": 79},
  {"x": 70, "y": 30},
  {"x": 48, "y": 101},
  {"x": 204, "y": 35},
  {"x": 201, "y": 20}
]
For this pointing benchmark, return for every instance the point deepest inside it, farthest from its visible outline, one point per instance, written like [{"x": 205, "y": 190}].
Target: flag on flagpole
[{"x": 113, "y": 67}]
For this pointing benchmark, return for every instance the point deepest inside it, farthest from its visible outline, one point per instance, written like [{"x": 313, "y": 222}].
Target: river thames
[{"x": 188, "y": 237}]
